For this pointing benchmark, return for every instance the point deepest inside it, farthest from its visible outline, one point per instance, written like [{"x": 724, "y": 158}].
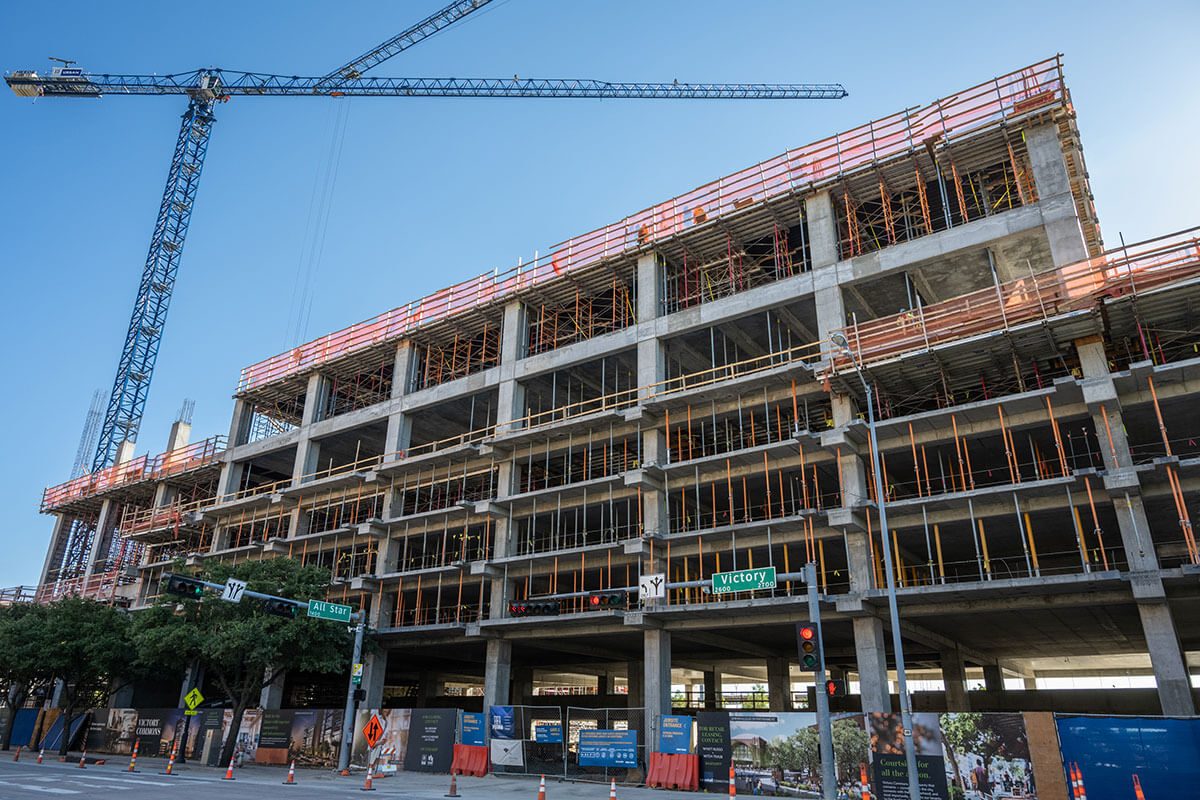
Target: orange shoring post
[
  {"x": 767, "y": 479},
  {"x": 916, "y": 465},
  {"x": 899, "y": 565},
  {"x": 1108, "y": 430},
  {"x": 1096, "y": 521},
  {"x": 821, "y": 555},
  {"x": 1185, "y": 522},
  {"x": 1009, "y": 455},
  {"x": 782, "y": 507},
  {"x": 937, "y": 539},
  {"x": 987, "y": 561},
  {"x": 970, "y": 469},
  {"x": 803, "y": 481},
  {"x": 1062, "y": 457},
  {"x": 841, "y": 480},
  {"x": 1032, "y": 546},
  {"x": 786, "y": 569},
  {"x": 958, "y": 451}
]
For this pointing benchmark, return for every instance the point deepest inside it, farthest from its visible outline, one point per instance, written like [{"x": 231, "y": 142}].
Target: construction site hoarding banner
[
  {"x": 963, "y": 754},
  {"x": 274, "y": 737},
  {"x": 712, "y": 745},
  {"x": 431, "y": 734},
  {"x": 608, "y": 748},
  {"x": 778, "y": 753},
  {"x": 1164, "y": 752},
  {"x": 316, "y": 736},
  {"x": 473, "y": 731},
  {"x": 24, "y": 725},
  {"x": 507, "y": 753},
  {"x": 393, "y": 742},
  {"x": 246, "y": 749},
  {"x": 502, "y": 722},
  {"x": 546, "y": 732},
  {"x": 675, "y": 736}
]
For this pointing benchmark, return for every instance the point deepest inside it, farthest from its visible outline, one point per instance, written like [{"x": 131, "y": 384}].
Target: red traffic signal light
[
  {"x": 605, "y": 601},
  {"x": 547, "y": 608},
  {"x": 809, "y": 658}
]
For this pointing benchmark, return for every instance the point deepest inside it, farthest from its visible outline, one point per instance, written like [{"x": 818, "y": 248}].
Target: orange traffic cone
[
  {"x": 17, "y": 757},
  {"x": 171, "y": 760},
  {"x": 82, "y": 759},
  {"x": 229, "y": 772},
  {"x": 453, "y": 787},
  {"x": 133, "y": 757},
  {"x": 542, "y": 789},
  {"x": 1137, "y": 788},
  {"x": 367, "y": 787},
  {"x": 41, "y": 753},
  {"x": 291, "y": 779},
  {"x": 612, "y": 790},
  {"x": 1082, "y": 788}
]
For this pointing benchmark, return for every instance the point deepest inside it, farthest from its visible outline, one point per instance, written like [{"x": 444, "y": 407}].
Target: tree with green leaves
[
  {"x": 241, "y": 647},
  {"x": 22, "y": 669},
  {"x": 83, "y": 644},
  {"x": 800, "y": 752}
]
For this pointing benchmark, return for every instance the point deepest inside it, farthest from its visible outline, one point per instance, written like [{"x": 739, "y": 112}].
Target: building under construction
[{"x": 662, "y": 395}]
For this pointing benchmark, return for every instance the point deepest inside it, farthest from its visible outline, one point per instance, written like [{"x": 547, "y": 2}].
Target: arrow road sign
[
  {"x": 373, "y": 731},
  {"x": 233, "y": 590},
  {"x": 653, "y": 586}
]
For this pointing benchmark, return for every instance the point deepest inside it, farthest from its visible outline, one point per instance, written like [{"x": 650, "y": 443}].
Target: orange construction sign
[{"x": 373, "y": 731}]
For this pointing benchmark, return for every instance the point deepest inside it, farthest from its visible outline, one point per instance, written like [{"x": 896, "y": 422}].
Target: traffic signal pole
[
  {"x": 824, "y": 722},
  {"x": 348, "y": 721}
]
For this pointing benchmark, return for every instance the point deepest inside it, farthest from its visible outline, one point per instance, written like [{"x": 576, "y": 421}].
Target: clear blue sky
[{"x": 429, "y": 191}]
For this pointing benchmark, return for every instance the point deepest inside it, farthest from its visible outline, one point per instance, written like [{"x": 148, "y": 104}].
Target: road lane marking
[{"x": 32, "y": 788}]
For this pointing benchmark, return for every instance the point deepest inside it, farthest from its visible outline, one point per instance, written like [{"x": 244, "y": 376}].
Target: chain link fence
[{"x": 602, "y": 719}]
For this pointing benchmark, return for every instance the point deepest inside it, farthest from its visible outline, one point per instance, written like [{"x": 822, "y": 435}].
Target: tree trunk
[
  {"x": 239, "y": 709},
  {"x": 954, "y": 762},
  {"x": 67, "y": 710},
  {"x": 17, "y": 695}
]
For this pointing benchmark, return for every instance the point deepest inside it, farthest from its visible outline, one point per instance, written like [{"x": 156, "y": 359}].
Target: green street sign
[
  {"x": 332, "y": 611},
  {"x": 745, "y": 580}
]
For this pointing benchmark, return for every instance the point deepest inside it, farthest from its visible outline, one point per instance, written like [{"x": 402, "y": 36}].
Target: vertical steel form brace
[{"x": 132, "y": 383}]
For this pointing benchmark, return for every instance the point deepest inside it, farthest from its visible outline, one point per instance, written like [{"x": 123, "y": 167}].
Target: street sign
[
  {"x": 193, "y": 699},
  {"x": 356, "y": 673},
  {"x": 652, "y": 587},
  {"x": 233, "y": 590},
  {"x": 323, "y": 610},
  {"x": 745, "y": 580},
  {"x": 373, "y": 731}
]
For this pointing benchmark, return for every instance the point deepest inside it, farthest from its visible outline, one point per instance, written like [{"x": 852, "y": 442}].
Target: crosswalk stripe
[{"x": 33, "y": 788}]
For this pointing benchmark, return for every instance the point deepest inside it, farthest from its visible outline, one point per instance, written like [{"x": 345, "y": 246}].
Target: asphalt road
[{"x": 26, "y": 780}]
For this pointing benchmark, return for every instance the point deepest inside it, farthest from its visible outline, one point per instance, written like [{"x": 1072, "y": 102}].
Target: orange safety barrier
[
  {"x": 1001, "y": 100},
  {"x": 469, "y": 759},
  {"x": 674, "y": 771},
  {"x": 1075, "y": 287}
]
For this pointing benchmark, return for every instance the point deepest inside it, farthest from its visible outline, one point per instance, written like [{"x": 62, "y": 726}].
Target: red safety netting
[
  {"x": 1119, "y": 272},
  {"x": 161, "y": 466},
  {"x": 1000, "y": 99}
]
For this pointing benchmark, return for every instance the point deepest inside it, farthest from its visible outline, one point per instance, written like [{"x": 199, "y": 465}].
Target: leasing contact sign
[{"x": 746, "y": 580}]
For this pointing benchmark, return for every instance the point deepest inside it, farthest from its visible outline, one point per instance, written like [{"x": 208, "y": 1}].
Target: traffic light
[
  {"x": 280, "y": 608},
  {"x": 607, "y": 601},
  {"x": 809, "y": 659},
  {"x": 835, "y": 688},
  {"x": 541, "y": 608},
  {"x": 184, "y": 587}
]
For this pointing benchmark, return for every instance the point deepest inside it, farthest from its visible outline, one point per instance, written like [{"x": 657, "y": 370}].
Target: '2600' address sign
[{"x": 746, "y": 580}]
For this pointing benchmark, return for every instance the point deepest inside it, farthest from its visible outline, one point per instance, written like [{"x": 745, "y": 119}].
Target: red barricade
[
  {"x": 469, "y": 759},
  {"x": 674, "y": 771}
]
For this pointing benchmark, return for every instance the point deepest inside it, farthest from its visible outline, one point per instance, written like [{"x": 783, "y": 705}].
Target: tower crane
[{"x": 204, "y": 88}]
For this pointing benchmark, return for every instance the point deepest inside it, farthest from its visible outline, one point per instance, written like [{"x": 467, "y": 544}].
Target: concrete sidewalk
[{"x": 267, "y": 781}]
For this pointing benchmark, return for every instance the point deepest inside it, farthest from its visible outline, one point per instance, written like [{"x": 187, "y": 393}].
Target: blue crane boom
[{"x": 220, "y": 84}]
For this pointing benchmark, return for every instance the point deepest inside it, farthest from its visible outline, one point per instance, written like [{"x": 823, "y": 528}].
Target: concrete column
[
  {"x": 635, "y": 680},
  {"x": 649, "y": 288},
  {"x": 121, "y": 694},
  {"x": 712, "y": 689},
  {"x": 430, "y": 686},
  {"x": 512, "y": 334},
  {"x": 271, "y": 696},
  {"x": 402, "y": 369},
  {"x": 954, "y": 676},
  {"x": 239, "y": 426},
  {"x": 1053, "y": 183},
  {"x": 871, "y": 655},
  {"x": 1166, "y": 657},
  {"x": 54, "y": 551},
  {"x": 308, "y": 451},
  {"x": 522, "y": 685},
  {"x": 99, "y": 538},
  {"x": 374, "y": 678},
  {"x": 657, "y": 673},
  {"x": 993, "y": 678},
  {"x": 779, "y": 684},
  {"x": 496, "y": 673},
  {"x": 1031, "y": 684},
  {"x": 822, "y": 230},
  {"x": 181, "y": 432}
]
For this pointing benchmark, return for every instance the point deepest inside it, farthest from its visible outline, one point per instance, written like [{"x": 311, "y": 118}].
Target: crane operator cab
[{"x": 208, "y": 87}]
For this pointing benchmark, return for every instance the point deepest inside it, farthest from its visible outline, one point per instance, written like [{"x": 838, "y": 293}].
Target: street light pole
[{"x": 910, "y": 752}]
